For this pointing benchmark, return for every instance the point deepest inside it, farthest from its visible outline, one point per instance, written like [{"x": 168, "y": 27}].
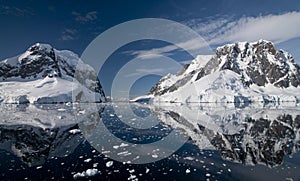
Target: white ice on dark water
[
  {"x": 109, "y": 163},
  {"x": 87, "y": 173},
  {"x": 154, "y": 156},
  {"x": 87, "y": 160},
  {"x": 187, "y": 171},
  {"x": 75, "y": 131}
]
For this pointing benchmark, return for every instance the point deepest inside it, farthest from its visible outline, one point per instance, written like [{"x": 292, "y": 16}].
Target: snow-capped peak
[
  {"x": 44, "y": 74},
  {"x": 267, "y": 74},
  {"x": 41, "y": 46}
]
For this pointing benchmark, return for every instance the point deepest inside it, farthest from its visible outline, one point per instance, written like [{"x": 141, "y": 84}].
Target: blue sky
[{"x": 73, "y": 25}]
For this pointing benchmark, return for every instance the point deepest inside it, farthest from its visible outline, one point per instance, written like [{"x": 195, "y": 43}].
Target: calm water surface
[{"x": 118, "y": 142}]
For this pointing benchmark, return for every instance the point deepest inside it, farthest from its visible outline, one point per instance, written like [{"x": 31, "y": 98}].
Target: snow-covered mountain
[
  {"x": 240, "y": 72},
  {"x": 45, "y": 75}
]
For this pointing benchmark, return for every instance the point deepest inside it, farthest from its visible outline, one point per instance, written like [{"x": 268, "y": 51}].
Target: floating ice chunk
[
  {"x": 39, "y": 167},
  {"x": 123, "y": 145},
  {"x": 95, "y": 165},
  {"x": 154, "y": 156},
  {"x": 74, "y": 131},
  {"x": 109, "y": 163},
  {"x": 188, "y": 158},
  {"x": 187, "y": 171},
  {"x": 124, "y": 153},
  {"x": 88, "y": 160},
  {"x": 131, "y": 171},
  {"x": 132, "y": 177},
  {"x": 87, "y": 173}
]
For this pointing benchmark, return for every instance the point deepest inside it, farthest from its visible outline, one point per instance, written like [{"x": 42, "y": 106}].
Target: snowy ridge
[
  {"x": 242, "y": 72},
  {"x": 45, "y": 75},
  {"x": 171, "y": 82}
]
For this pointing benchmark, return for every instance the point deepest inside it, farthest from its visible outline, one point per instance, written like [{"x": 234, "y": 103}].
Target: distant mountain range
[
  {"x": 45, "y": 75},
  {"x": 241, "y": 72}
]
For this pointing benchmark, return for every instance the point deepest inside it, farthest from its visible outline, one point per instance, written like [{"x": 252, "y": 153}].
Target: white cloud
[
  {"x": 69, "y": 34},
  {"x": 277, "y": 28},
  {"x": 154, "y": 51},
  {"x": 222, "y": 30},
  {"x": 188, "y": 45},
  {"x": 144, "y": 71},
  {"x": 15, "y": 11},
  {"x": 88, "y": 17},
  {"x": 208, "y": 28}
]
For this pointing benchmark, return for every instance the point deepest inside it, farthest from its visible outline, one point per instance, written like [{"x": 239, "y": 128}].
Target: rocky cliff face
[
  {"x": 241, "y": 72},
  {"x": 39, "y": 60},
  {"x": 171, "y": 83},
  {"x": 43, "y": 65},
  {"x": 258, "y": 63}
]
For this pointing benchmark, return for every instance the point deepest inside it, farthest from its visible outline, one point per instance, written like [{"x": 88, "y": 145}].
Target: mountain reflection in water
[{"x": 252, "y": 135}]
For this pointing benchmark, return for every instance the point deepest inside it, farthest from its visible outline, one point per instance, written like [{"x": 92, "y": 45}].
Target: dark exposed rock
[
  {"x": 200, "y": 74},
  {"x": 45, "y": 65},
  {"x": 175, "y": 86},
  {"x": 258, "y": 63},
  {"x": 41, "y": 60},
  {"x": 181, "y": 71},
  {"x": 260, "y": 69}
]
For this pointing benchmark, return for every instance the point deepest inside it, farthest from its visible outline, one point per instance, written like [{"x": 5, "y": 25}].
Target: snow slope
[
  {"x": 241, "y": 72},
  {"x": 226, "y": 86}
]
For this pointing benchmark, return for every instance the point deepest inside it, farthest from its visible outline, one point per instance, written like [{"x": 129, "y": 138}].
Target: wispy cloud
[
  {"x": 144, "y": 71},
  {"x": 222, "y": 30},
  {"x": 277, "y": 28},
  {"x": 15, "y": 11},
  {"x": 69, "y": 34},
  {"x": 75, "y": 31},
  {"x": 88, "y": 17},
  {"x": 167, "y": 50}
]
